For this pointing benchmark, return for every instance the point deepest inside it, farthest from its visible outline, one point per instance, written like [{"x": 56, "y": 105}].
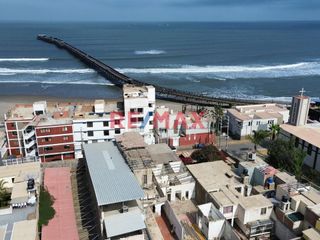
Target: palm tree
[
  {"x": 275, "y": 129},
  {"x": 258, "y": 137}
]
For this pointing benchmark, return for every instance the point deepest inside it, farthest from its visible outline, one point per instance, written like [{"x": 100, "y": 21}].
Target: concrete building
[
  {"x": 216, "y": 182},
  {"x": 139, "y": 106},
  {"x": 299, "y": 110},
  {"x": 182, "y": 129},
  {"x": 244, "y": 120},
  {"x": 117, "y": 201},
  {"x": 3, "y": 145},
  {"x": 298, "y": 209},
  {"x": 97, "y": 122},
  {"x": 213, "y": 224},
  {"x": 170, "y": 174},
  {"x": 307, "y": 138}
]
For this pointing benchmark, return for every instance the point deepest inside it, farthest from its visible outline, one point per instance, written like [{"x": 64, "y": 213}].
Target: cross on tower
[{"x": 302, "y": 91}]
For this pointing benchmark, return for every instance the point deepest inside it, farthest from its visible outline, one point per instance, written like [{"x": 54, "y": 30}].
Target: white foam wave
[
  {"x": 150, "y": 52},
  {"x": 23, "y": 59},
  {"x": 59, "y": 82},
  {"x": 231, "y": 72},
  {"x": 7, "y": 71}
]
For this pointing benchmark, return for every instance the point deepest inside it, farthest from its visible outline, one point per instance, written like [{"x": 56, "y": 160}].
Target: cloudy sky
[{"x": 158, "y": 10}]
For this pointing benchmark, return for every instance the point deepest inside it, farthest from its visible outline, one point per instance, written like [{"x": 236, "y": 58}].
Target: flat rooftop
[
  {"x": 21, "y": 172},
  {"x": 255, "y": 201},
  {"x": 213, "y": 175},
  {"x": 111, "y": 177},
  {"x": 308, "y": 133},
  {"x": 259, "y": 111},
  {"x": 162, "y": 153}
]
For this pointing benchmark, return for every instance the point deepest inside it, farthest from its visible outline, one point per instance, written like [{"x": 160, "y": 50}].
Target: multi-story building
[
  {"x": 57, "y": 131},
  {"x": 244, "y": 120},
  {"x": 181, "y": 129},
  {"x": 304, "y": 134},
  {"x": 96, "y": 122},
  {"x": 139, "y": 106}
]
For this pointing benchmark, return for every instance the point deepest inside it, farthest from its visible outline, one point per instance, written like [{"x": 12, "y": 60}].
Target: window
[
  {"x": 48, "y": 149},
  {"x": 90, "y": 133},
  {"x": 67, "y": 147},
  {"x": 145, "y": 179},
  {"x": 12, "y": 125},
  {"x": 65, "y": 138},
  {"x": 309, "y": 151},
  {"x": 140, "y": 119},
  {"x": 150, "y": 114},
  {"x": 150, "y": 122},
  {"x": 106, "y": 124},
  {"x": 258, "y": 123},
  {"x": 131, "y": 110},
  {"x": 14, "y": 133},
  {"x": 263, "y": 211},
  {"x": 150, "y": 105},
  {"x": 117, "y": 131},
  {"x": 271, "y": 122},
  {"x": 227, "y": 209},
  {"x": 64, "y": 129},
  {"x": 89, "y": 124},
  {"x": 45, "y": 130},
  {"x": 249, "y": 123},
  {"x": 106, "y": 132},
  {"x": 140, "y": 110},
  {"x": 117, "y": 122}
]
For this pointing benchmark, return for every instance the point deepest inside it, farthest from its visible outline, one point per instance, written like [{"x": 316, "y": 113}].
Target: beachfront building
[
  {"x": 182, "y": 129},
  {"x": 139, "y": 105},
  {"x": 53, "y": 131},
  {"x": 244, "y": 120},
  {"x": 304, "y": 134},
  {"x": 96, "y": 122},
  {"x": 116, "y": 192}
]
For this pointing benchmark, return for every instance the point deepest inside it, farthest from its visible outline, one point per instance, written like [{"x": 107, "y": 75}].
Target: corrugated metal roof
[
  {"x": 111, "y": 177},
  {"x": 124, "y": 223}
]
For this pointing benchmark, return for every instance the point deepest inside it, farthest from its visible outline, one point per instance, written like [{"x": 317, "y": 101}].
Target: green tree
[
  {"x": 258, "y": 137},
  {"x": 284, "y": 155},
  {"x": 207, "y": 154},
  {"x": 275, "y": 129}
]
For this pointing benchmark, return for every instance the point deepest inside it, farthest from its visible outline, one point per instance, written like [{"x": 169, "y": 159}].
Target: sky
[{"x": 159, "y": 10}]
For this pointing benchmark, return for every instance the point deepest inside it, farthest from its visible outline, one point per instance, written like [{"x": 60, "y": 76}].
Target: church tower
[{"x": 299, "y": 109}]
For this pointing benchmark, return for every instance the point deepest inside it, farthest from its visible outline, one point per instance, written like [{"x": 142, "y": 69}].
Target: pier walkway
[{"x": 118, "y": 79}]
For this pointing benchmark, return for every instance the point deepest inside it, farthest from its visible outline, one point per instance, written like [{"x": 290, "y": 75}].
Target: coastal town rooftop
[
  {"x": 106, "y": 165},
  {"x": 214, "y": 175},
  {"x": 308, "y": 133}
]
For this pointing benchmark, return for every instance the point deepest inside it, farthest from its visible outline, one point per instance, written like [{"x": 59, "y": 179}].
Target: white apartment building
[
  {"x": 139, "y": 105},
  {"x": 244, "y": 120},
  {"x": 100, "y": 122}
]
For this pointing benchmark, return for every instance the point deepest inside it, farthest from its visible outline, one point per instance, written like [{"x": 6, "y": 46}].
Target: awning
[{"x": 124, "y": 223}]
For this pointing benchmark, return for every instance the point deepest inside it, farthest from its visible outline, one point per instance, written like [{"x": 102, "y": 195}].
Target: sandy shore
[{"x": 7, "y": 102}]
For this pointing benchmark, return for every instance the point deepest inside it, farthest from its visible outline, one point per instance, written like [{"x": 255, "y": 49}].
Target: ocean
[{"x": 246, "y": 60}]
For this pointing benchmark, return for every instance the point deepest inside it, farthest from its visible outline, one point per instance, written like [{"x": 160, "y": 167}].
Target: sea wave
[
  {"x": 11, "y": 71},
  {"x": 232, "y": 72},
  {"x": 150, "y": 52},
  {"x": 58, "y": 82},
  {"x": 24, "y": 59}
]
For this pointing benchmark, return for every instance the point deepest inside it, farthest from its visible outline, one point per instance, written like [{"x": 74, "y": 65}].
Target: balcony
[
  {"x": 28, "y": 134},
  {"x": 31, "y": 153},
  {"x": 29, "y": 143}
]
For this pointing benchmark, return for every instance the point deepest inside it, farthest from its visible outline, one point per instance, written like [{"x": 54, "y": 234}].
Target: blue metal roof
[{"x": 111, "y": 177}]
